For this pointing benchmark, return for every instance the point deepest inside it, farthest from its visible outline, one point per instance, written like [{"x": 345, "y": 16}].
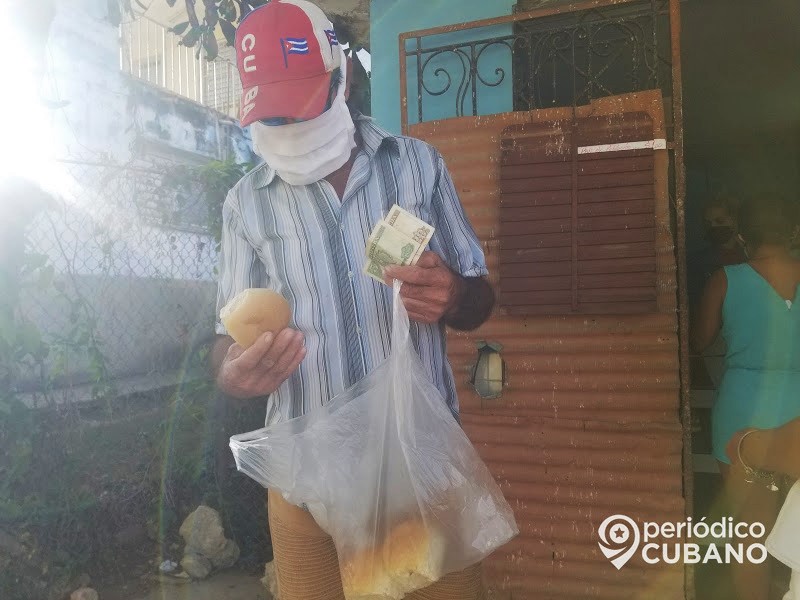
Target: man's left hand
[{"x": 430, "y": 289}]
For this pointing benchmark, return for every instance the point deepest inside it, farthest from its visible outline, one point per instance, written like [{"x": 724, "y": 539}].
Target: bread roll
[
  {"x": 410, "y": 558},
  {"x": 252, "y": 313},
  {"x": 364, "y": 577}
]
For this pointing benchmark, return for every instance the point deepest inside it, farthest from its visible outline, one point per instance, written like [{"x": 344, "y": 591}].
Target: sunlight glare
[{"x": 26, "y": 149}]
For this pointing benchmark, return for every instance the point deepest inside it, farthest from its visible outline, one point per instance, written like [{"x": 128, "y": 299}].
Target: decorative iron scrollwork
[{"x": 558, "y": 61}]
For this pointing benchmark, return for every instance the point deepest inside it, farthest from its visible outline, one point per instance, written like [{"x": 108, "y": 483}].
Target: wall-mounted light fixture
[{"x": 489, "y": 372}]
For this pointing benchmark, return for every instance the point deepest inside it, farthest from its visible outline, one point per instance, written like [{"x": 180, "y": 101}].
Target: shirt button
[
  {"x": 350, "y": 274},
  {"x": 358, "y": 330}
]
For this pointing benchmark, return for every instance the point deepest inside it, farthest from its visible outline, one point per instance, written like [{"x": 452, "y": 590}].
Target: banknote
[
  {"x": 409, "y": 225},
  {"x": 387, "y": 246},
  {"x": 398, "y": 239}
]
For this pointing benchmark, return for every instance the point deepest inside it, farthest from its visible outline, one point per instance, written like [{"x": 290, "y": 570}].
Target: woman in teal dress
[{"x": 756, "y": 308}]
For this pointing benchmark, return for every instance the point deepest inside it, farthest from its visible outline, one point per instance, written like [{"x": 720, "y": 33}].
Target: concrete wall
[
  {"x": 150, "y": 286},
  {"x": 170, "y": 124},
  {"x": 389, "y": 18},
  {"x": 106, "y": 111}
]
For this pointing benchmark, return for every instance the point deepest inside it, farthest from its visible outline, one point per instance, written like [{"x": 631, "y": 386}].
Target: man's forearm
[{"x": 474, "y": 305}]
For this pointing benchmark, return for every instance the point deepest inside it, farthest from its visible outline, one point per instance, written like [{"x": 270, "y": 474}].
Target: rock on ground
[
  {"x": 227, "y": 557},
  {"x": 203, "y": 532},
  {"x": 270, "y": 580},
  {"x": 196, "y": 565},
  {"x": 84, "y": 593}
]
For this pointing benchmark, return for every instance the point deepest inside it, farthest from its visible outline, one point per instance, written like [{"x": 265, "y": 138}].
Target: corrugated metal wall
[{"x": 588, "y": 425}]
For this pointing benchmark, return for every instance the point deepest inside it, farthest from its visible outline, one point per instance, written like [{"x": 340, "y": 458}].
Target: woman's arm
[
  {"x": 775, "y": 450},
  {"x": 708, "y": 320}
]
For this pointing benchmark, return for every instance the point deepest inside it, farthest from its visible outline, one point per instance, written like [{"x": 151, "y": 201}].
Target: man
[{"x": 299, "y": 225}]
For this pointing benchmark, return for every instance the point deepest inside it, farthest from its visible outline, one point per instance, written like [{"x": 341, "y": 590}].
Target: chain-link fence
[
  {"x": 115, "y": 283},
  {"x": 132, "y": 258}
]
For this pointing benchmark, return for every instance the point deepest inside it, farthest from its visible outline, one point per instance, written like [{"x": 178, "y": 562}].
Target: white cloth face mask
[{"x": 305, "y": 152}]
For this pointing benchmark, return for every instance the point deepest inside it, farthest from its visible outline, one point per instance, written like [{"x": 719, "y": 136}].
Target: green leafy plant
[
  {"x": 211, "y": 182},
  {"x": 21, "y": 345},
  {"x": 217, "y": 14},
  {"x": 23, "y": 350}
]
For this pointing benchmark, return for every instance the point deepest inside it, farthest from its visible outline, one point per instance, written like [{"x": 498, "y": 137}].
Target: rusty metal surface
[
  {"x": 588, "y": 424},
  {"x": 601, "y": 261},
  {"x": 680, "y": 234}
]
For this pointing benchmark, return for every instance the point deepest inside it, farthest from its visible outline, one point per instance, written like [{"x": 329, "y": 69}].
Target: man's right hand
[{"x": 263, "y": 367}]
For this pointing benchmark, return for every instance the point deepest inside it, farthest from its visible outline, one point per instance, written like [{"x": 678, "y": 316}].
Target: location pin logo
[{"x": 619, "y": 539}]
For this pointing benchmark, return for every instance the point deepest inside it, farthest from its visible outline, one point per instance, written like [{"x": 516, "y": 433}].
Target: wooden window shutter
[{"x": 577, "y": 217}]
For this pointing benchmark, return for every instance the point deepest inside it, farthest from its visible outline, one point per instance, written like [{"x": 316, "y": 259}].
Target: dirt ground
[{"x": 227, "y": 585}]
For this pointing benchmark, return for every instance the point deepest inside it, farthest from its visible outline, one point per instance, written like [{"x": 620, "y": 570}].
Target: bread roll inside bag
[{"x": 389, "y": 474}]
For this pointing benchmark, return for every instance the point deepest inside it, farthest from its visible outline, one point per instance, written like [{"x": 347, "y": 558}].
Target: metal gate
[
  {"x": 588, "y": 423},
  {"x": 593, "y": 418}
]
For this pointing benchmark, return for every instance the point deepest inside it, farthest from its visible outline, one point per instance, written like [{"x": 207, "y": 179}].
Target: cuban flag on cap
[
  {"x": 332, "y": 40},
  {"x": 295, "y": 45}
]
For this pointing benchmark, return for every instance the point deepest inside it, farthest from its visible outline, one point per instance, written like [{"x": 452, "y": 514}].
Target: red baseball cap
[{"x": 285, "y": 52}]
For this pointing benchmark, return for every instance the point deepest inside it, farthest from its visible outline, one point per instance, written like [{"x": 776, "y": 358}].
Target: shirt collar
[
  {"x": 373, "y": 138},
  {"x": 263, "y": 175}
]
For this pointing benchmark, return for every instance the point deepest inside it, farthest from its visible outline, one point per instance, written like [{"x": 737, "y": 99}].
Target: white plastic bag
[{"x": 388, "y": 473}]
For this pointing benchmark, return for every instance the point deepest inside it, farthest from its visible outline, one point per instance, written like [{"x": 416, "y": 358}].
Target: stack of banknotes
[{"x": 398, "y": 239}]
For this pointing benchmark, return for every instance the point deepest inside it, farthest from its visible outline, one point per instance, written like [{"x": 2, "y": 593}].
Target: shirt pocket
[{"x": 415, "y": 197}]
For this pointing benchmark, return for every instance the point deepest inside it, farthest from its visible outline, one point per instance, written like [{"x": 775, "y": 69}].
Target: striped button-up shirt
[{"x": 308, "y": 245}]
